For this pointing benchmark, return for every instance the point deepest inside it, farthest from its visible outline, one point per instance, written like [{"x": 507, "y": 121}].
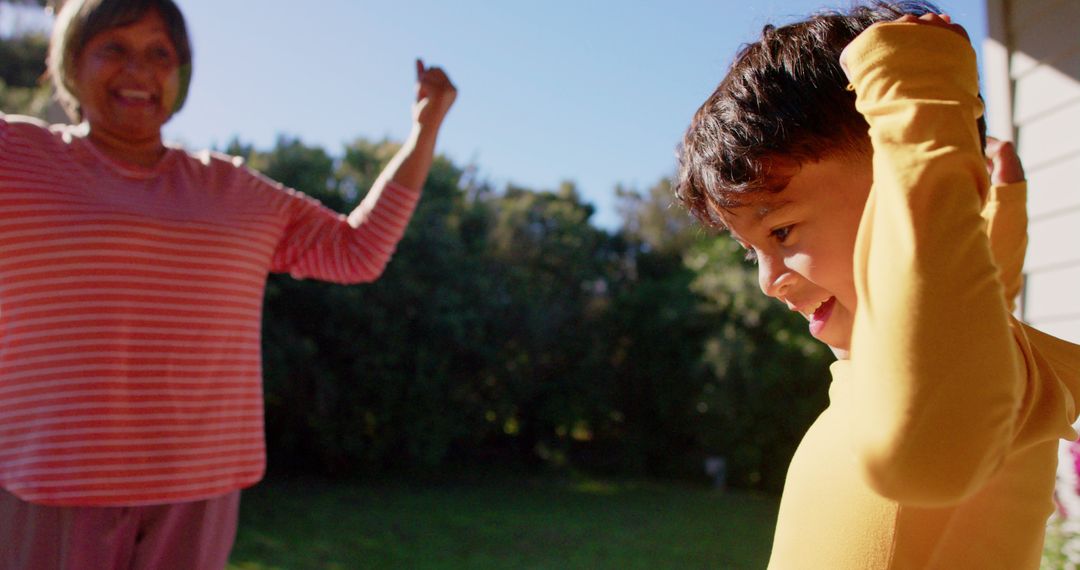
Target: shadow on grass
[{"x": 289, "y": 523}]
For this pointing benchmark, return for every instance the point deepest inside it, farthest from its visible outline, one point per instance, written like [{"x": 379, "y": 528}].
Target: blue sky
[{"x": 594, "y": 91}]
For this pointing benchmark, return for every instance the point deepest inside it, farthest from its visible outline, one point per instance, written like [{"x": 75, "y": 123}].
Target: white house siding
[{"x": 1032, "y": 63}]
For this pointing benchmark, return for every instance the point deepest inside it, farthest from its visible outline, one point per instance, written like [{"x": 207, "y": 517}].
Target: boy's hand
[
  {"x": 435, "y": 93},
  {"x": 936, "y": 20},
  {"x": 1002, "y": 162}
]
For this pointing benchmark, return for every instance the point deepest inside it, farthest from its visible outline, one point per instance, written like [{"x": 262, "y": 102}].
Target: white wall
[{"x": 1032, "y": 60}]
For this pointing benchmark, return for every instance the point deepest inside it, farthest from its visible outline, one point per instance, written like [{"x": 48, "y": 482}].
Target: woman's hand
[
  {"x": 434, "y": 95},
  {"x": 410, "y": 165}
]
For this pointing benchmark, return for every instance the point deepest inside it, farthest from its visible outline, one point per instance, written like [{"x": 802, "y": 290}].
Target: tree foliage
[
  {"x": 508, "y": 328},
  {"x": 22, "y": 69}
]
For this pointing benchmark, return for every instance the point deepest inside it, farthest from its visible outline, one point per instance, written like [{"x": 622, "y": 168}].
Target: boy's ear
[{"x": 843, "y": 62}]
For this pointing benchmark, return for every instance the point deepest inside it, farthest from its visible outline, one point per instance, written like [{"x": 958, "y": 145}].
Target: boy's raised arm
[
  {"x": 1006, "y": 217},
  {"x": 936, "y": 370}
]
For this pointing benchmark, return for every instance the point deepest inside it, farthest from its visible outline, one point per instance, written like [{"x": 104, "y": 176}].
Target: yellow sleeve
[
  {"x": 937, "y": 374},
  {"x": 1005, "y": 213}
]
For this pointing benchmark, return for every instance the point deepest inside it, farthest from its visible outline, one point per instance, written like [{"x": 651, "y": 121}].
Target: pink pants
[{"x": 189, "y": 536}]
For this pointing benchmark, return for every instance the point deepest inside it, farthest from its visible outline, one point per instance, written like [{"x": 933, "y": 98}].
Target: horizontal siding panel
[
  {"x": 1047, "y": 88},
  {"x": 997, "y": 87},
  {"x": 1064, "y": 329},
  {"x": 1052, "y": 243},
  {"x": 1054, "y": 187},
  {"x": 1020, "y": 63},
  {"x": 1045, "y": 107},
  {"x": 1052, "y": 295},
  {"x": 1043, "y": 34},
  {"x": 1051, "y": 138},
  {"x": 1027, "y": 13}
]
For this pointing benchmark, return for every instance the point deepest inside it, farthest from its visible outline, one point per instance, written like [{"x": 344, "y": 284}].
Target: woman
[{"x": 131, "y": 283}]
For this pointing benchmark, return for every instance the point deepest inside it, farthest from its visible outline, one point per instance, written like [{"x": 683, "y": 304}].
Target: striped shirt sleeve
[{"x": 322, "y": 244}]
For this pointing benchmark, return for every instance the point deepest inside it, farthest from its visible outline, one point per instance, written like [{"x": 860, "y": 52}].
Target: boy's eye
[{"x": 781, "y": 234}]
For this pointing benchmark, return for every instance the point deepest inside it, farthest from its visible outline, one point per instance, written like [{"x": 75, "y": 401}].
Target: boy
[{"x": 843, "y": 153}]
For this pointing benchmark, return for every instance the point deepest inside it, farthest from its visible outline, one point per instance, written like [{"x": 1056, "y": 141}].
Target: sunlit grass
[{"x": 509, "y": 523}]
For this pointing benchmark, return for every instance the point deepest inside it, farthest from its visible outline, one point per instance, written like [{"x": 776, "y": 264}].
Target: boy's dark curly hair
[{"x": 784, "y": 102}]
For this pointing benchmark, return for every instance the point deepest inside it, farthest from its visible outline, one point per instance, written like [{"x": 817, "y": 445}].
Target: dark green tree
[
  {"x": 22, "y": 68},
  {"x": 548, "y": 269},
  {"x": 770, "y": 377},
  {"x": 508, "y": 328},
  {"x": 706, "y": 365}
]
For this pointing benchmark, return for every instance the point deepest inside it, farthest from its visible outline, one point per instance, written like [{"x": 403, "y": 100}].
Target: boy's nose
[{"x": 774, "y": 278}]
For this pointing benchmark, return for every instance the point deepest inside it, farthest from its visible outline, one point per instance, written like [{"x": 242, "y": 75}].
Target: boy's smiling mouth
[
  {"x": 818, "y": 314},
  {"x": 807, "y": 311}
]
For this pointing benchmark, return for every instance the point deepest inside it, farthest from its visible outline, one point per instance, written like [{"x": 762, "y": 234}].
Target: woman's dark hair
[
  {"x": 783, "y": 103},
  {"x": 81, "y": 20}
]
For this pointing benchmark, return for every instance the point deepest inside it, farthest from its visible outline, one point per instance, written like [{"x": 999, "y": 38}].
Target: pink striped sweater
[{"x": 130, "y": 307}]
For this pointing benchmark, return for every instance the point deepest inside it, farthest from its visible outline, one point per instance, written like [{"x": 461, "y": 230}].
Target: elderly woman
[{"x": 131, "y": 284}]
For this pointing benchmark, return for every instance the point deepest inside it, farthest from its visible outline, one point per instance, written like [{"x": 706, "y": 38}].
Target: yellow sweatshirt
[
  {"x": 939, "y": 444},
  {"x": 1005, "y": 213}
]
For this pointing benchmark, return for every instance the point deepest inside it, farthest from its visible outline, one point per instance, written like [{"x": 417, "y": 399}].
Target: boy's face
[{"x": 803, "y": 239}]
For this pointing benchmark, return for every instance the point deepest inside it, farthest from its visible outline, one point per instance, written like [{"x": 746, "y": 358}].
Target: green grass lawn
[{"x": 506, "y": 524}]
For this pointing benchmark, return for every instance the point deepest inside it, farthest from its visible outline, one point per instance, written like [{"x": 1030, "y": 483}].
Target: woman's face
[{"x": 127, "y": 80}]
